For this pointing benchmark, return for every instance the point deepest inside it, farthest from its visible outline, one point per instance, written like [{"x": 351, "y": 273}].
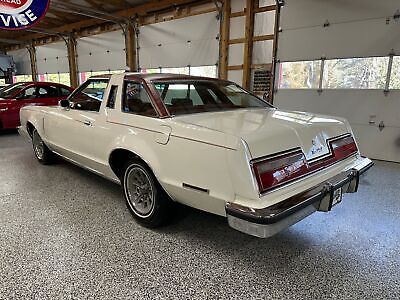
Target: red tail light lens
[
  {"x": 280, "y": 169},
  {"x": 276, "y": 171},
  {"x": 343, "y": 147}
]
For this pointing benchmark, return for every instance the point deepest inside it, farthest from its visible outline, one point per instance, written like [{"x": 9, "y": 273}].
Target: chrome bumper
[{"x": 268, "y": 221}]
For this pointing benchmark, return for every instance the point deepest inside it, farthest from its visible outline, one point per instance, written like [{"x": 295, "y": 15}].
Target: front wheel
[
  {"x": 42, "y": 152},
  {"x": 145, "y": 198}
]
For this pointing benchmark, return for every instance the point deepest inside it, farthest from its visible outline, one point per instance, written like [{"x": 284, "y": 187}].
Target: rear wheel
[
  {"x": 42, "y": 152},
  {"x": 145, "y": 198}
]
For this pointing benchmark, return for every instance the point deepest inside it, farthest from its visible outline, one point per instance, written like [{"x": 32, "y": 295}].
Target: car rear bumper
[{"x": 268, "y": 221}]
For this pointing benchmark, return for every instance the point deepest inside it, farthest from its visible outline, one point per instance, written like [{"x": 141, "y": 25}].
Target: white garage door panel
[
  {"x": 177, "y": 43},
  {"x": 383, "y": 145},
  {"x": 357, "y": 106},
  {"x": 102, "y": 52},
  {"x": 306, "y": 13},
  {"x": 52, "y": 58},
  {"x": 366, "y": 38},
  {"x": 22, "y": 61}
]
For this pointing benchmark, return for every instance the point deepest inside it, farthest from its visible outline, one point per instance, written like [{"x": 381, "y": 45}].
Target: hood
[{"x": 268, "y": 131}]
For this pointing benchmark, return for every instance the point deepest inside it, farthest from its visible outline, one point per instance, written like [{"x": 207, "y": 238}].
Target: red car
[{"x": 18, "y": 95}]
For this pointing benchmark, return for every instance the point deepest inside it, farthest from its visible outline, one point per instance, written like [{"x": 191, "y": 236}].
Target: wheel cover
[
  {"x": 139, "y": 190},
  {"x": 38, "y": 146}
]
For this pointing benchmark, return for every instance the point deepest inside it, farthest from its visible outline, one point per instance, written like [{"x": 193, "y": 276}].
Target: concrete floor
[{"x": 66, "y": 234}]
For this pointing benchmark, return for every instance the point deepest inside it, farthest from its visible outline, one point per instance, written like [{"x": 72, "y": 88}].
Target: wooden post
[
  {"x": 32, "y": 55},
  {"x": 275, "y": 51},
  {"x": 130, "y": 47},
  {"x": 248, "y": 46},
  {"x": 72, "y": 60},
  {"x": 224, "y": 41}
]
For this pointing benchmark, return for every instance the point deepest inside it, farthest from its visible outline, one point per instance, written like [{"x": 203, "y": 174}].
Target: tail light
[
  {"x": 280, "y": 169},
  {"x": 343, "y": 147}
]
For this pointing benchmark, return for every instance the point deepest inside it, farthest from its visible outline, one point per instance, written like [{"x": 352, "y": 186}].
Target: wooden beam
[
  {"x": 32, "y": 57},
  {"x": 72, "y": 60},
  {"x": 248, "y": 48},
  {"x": 265, "y": 8},
  {"x": 139, "y": 10},
  {"x": 275, "y": 52},
  {"x": 130, "y": 48},
  {"x": 233, "y": 68},
  {"x": 237, "y": 41},
  {"x": 266, "y": 37},
  {"x": 224, "y": 41},
  {"x": 237, "y": 14}
]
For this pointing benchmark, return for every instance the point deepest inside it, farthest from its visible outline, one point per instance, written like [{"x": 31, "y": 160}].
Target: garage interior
[{"x": 67, "y": 234}]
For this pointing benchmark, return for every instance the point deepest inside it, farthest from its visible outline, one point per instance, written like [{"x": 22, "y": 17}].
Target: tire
[
  {"x": 41, "y": 151},
  {"x": 144, "y": 196}
]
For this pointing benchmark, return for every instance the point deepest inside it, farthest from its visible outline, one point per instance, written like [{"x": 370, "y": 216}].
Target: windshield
[
  {"x": 10, "y": 90},
  {"x": 205, "y": 96}
]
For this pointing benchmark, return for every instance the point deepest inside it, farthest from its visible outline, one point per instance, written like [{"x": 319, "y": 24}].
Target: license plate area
[
  {"x": 336, "y": 196},
  {"x": 332, "y": 198}
]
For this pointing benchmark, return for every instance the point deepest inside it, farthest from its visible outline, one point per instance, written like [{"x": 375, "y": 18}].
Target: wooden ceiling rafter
[{"x": 139, "y": 12}]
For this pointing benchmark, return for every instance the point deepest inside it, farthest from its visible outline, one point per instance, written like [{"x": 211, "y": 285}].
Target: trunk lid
[{"x": 268, "y": 131}]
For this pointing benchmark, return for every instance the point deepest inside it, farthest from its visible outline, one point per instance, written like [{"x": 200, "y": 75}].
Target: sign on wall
[{"x": 20, "y": 14}]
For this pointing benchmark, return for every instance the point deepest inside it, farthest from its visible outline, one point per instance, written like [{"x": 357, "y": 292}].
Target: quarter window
[
  {"x": 137, "y": 101},
  {"x": 112, "y": 96}
]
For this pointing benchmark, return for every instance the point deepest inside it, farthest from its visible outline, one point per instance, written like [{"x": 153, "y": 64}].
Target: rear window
[{"x": 204, "y": 96}]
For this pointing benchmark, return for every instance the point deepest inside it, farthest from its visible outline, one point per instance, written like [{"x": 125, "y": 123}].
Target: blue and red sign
[{"x": 20, "y": 14}]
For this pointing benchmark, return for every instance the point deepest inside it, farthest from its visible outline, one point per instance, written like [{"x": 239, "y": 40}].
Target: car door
[
  {"x": 25, "y": 97},
  {"x": 71, "y": 131}
]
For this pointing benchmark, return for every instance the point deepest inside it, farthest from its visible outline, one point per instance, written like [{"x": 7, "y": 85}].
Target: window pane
[
  {"x": 183, "y": 70},
  {"x": 137, "y": 101},
  {"x": 203, "y": 96},
  {"x": 300, "y": 75},
  {"x": 395, "y": 76},
  {"x": 150, "y": 71},
  {"x": 22, "y": 78},
  {"x": 204, "y": 71},
  {"x": 355, "y": 73},
  {"x": 30, "y": 93}
]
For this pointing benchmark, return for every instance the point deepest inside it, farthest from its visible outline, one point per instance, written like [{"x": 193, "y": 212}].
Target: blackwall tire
[{"x": 144, "y": 196}]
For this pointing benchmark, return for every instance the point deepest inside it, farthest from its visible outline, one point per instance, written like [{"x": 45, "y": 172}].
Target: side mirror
[{"x": 64, "y": 103}]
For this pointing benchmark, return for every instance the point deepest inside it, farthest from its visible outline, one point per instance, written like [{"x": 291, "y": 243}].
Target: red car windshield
[
  {"x": 10, "y": 91},
  {"x": 189, "y": 97}
]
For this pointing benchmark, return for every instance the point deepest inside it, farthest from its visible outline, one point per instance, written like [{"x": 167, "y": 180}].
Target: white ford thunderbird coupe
[{"x": 203, "y": 142}]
